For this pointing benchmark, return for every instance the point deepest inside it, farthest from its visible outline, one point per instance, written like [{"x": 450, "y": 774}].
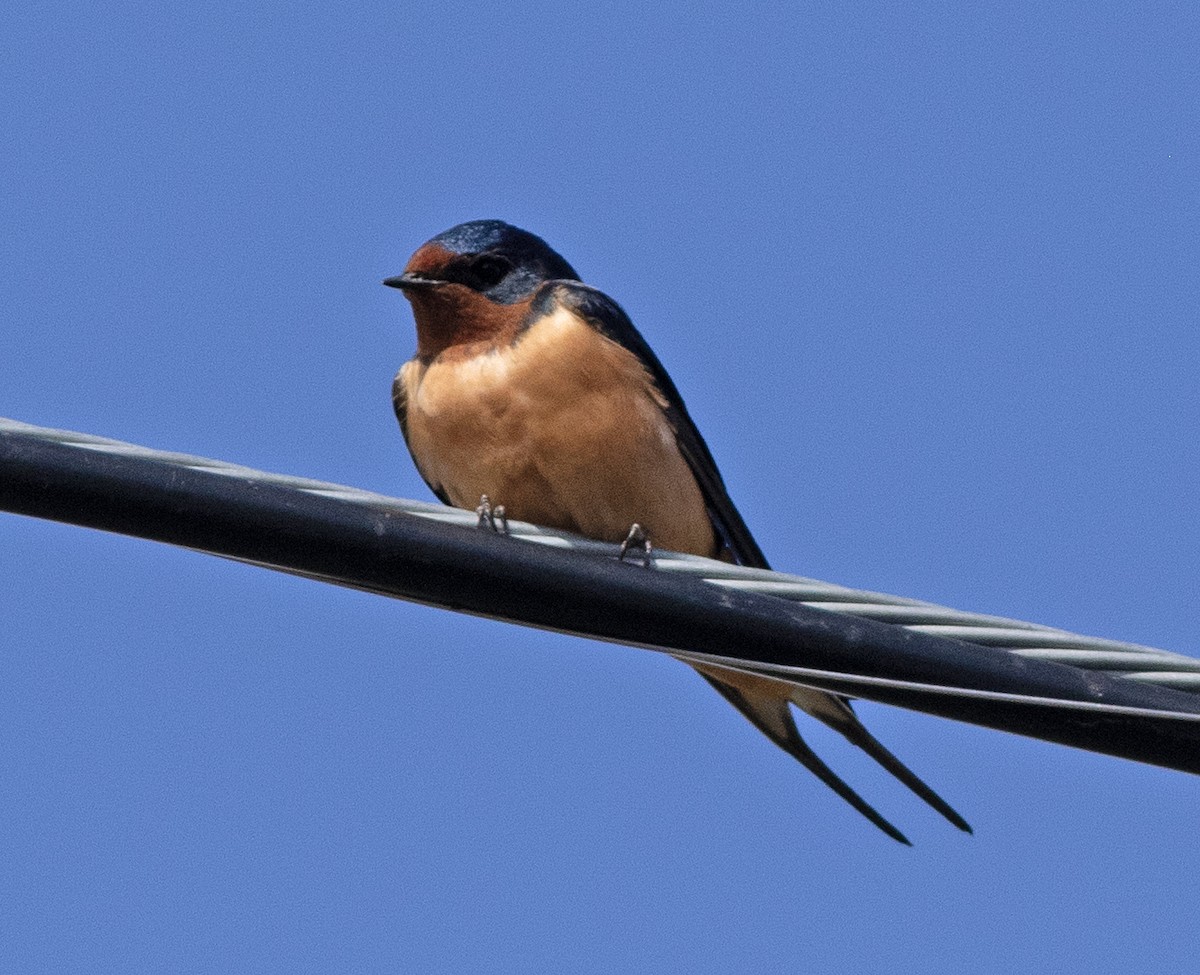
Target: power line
[
  {"x": 1129, "y": 660},
  {"x": 866, "y": 645}
]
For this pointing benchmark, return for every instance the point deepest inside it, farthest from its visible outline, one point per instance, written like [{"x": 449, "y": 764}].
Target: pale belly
[{"x": 565, "y": 430}]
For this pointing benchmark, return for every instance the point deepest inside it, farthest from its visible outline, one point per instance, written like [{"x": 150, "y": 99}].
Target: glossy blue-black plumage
[{"x": 531, "y": 260}]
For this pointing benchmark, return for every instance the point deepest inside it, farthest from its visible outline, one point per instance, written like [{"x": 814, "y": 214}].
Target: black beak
[{"x": 406, "y": 281}]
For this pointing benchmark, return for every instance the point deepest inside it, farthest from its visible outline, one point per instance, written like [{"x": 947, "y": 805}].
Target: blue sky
[{"x": 926, "y": 276}]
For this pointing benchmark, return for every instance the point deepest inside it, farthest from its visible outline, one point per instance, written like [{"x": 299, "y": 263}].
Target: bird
[{"x": 531, "y": 388}]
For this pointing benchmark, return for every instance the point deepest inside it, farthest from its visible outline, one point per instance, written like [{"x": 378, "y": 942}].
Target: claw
[
  {"x": 494, "y": 519},
  {"x": 637, "y": 537}
]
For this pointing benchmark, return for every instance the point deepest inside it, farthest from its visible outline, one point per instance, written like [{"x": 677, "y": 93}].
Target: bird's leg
[
  {"x": 491, "y": 518},
  {"x": 637, "y": 536}
]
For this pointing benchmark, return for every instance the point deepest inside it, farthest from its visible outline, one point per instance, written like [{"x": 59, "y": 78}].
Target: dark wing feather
[
  {"x": 608, "y": 318},
  {"x": 770, "y": 715}
]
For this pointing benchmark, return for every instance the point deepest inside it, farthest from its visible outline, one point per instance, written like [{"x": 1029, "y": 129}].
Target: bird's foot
[
  {"x": 637, "y": 537},
  {"x": 492, "y": 518}
]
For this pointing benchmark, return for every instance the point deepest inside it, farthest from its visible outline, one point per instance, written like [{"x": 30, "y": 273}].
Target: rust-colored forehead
[{"x": 429, "y": 257}]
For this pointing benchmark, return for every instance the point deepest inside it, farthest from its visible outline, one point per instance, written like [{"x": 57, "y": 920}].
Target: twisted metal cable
[{"x": 1119, "y": 659}]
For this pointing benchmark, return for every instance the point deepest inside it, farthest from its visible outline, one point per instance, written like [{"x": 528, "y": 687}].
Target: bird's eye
[{"x": 488, "y": 270}]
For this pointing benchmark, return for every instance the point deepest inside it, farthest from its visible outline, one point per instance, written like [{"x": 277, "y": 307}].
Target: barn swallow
[{"x": 536, "y": 390}]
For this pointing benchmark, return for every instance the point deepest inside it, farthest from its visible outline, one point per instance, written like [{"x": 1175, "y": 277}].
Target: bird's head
[
  {"x": 474, "y": 282},
  {"x": 497, "y": 260}
]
